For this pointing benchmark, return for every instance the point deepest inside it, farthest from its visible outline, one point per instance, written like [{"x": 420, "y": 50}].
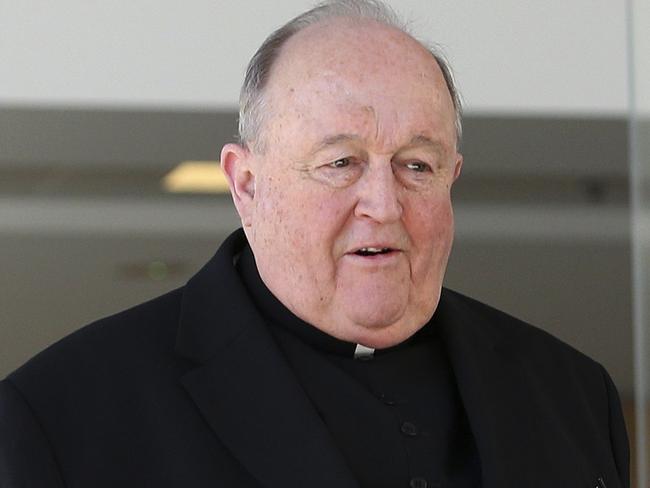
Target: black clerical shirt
[{"x": 396, "y": 416}]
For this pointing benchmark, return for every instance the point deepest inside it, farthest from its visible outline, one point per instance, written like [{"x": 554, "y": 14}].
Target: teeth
[{"x": 373, "y": 250}]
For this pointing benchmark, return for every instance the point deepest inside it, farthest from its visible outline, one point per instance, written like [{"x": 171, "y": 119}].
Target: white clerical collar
[{"x": 363, "y": 352}]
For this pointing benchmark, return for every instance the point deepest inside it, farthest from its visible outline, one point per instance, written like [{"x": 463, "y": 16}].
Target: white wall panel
[{"x": 533, "y": 56}]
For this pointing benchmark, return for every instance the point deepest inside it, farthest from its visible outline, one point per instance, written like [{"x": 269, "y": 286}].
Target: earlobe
[
  {"x": 236, "y": 163},
  {"x": 459, "y": 166}
]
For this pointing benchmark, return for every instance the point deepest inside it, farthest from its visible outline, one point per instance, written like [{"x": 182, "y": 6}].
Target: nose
[{"x": 378, "y": 197}]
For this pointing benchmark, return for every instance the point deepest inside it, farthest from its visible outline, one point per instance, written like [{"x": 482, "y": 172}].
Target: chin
[
  {"x": 381, "y": 338},
  {"x": 385, "y": 330},
  {"x": 376, "y": 316}
]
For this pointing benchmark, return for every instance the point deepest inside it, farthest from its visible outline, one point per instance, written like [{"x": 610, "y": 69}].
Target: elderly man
[{"x": 318, "y": 348}]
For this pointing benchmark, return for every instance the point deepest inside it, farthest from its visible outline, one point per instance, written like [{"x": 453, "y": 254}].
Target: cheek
[
  {"x": 431, "y": 227},
  {"x": 431, "y": 218},
  {"x": 303, "y": 216}
]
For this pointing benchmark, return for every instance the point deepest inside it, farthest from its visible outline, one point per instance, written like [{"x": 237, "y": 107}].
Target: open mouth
[{"x": 373, "y": 251}]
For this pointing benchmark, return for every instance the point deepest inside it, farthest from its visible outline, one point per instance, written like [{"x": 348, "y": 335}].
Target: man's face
[{"x": 349, "y": 215}]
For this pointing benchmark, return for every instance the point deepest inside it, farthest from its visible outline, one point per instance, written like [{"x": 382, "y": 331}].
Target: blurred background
[{"x": 113, "y": 113}]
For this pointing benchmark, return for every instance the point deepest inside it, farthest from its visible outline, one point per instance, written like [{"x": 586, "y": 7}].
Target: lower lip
[{"x": 375, "y": 259}]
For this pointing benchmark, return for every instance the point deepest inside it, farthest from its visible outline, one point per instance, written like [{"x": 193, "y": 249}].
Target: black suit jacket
[{"x": 190, "y": 390}]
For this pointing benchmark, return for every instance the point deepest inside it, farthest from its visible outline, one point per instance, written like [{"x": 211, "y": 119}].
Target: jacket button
[
  {"x": 418, "y": 483},
  {"x": 409, "y": 429}
]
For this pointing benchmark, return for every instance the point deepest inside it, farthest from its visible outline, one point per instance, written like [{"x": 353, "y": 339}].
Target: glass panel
[{"x": 639, "y": 95}]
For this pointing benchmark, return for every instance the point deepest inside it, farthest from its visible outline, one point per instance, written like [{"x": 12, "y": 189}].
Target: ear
[
  {"x": 237, "y": 165},
  {"x": 459, "y": 165}
]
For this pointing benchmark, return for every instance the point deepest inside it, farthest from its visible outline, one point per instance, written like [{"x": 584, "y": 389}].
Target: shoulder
[
  {"x": 559, "y": 374},
  {"x": 506, "y": 328},
  {"x": 134, "y": 350},
  {"x": 548, "y": 378},
  {"x": 532, "y": 347},
  {"x": 135, "y": 340}
]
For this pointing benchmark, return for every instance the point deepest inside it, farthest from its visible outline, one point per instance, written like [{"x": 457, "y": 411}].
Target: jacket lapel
[
  {"x": 519, "y": 441},
  {"x": 245, "y": 389}
]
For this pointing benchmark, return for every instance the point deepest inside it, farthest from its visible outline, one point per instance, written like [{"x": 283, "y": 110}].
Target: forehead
[
  {"x": 337, "y": 41},
  {"x": 362, "y": 77}
]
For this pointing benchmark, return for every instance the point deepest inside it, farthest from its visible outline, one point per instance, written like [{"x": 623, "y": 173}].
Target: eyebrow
[
  {"x": 422, "y": 140},
  {"x": 333, "y": 141}
]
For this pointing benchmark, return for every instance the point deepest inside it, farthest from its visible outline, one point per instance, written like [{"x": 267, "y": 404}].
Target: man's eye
[
  {"x": 418, "y": 166},
  {"x": 340, "y": 163}
]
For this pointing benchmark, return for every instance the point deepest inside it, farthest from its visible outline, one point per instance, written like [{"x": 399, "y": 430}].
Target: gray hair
[{"x": 251, "y": 99}]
